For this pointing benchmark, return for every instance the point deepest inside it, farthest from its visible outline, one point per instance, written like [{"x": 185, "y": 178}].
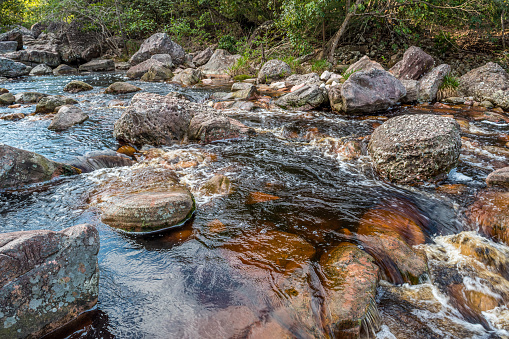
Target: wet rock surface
[
  {"x": 121, "y": 88},
  {"x": 489, "y": 212},
  {"x": 414, "y": 148},
  {"x": 305, "y": 98},
  {"x": 67, "y": 117},
  {"x": 48, "y": 104},
  {"x": 76, "y": 86},
  {"x": 12, "y": 69},
  {"x": 47, "y": 279}
]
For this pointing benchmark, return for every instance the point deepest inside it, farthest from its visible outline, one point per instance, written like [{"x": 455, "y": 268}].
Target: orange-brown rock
[
  {"x": 216, "y": 226},
  {"x": 452, "y": 188},
  {"x": 257, "y": 197},
  {"x": 14, "y": 106},
  {"x": 499, "y": 177},
  {"x": 13, "y": 117},
  {"x": 127, "y": 150},
  {"x": 490, "y": 213},
  {"x": 351, "y": 278},
  {"x": 218, "y": 184}
]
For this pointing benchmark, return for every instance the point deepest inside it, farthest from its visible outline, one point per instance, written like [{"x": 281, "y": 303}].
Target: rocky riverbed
[{"x": 250, "y": 220}]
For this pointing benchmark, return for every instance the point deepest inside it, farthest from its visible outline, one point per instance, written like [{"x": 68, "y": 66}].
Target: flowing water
[{"x": 191, "y": 281}]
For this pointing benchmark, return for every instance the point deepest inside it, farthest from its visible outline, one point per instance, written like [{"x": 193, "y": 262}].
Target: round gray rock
[
  {"x": 273, "y": 70},
  {"x": 415, "y": 148}
]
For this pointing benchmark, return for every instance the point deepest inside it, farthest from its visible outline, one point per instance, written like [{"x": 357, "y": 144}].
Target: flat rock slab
[
  {"x": 46, "y": 279},
  {"x": 98, "y": 65}
]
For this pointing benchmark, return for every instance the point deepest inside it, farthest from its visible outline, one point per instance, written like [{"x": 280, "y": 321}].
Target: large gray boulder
[
  {"x": 12, "y": 69},
  {"x": 98, "y": 65},
  {"x": 220, "y": 62},
  {"x": 487, "y": 83},
  {"x": 41, "y": 69},
  {"x": 154, "y": 119},
  {"x": 305, "y": 98},
  {"x": 29, "y": 97},
  {"x": 188, "y": 77},
  {"x": 165, "y": 59},
  {"x": 159, "y": 43},
  {"x": 137, "y": 71},
  {"x": 414, "y": 65},
  {"x": 203, "y": 57},
  {"x": 431, "y": 82},
  {"x": 46, "y": 279},
  {"x": 21, "y": 168},
  {"x": 44, "y": 50},
  {"x": 364, "y": 64},
  {"x": 66, "y": 117},
  {"x": 8, "y": 46},
  {"x": 371, "y": 91},
  {"x": 415, "y": 148},
  {"x": 13, "y": 35},
  {"x": 273, "y": 70}
]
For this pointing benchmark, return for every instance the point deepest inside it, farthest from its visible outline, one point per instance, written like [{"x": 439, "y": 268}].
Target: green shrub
[
  {"x": 242, "y": 77},
  {"x": 241, "y": 67},
  {"x": 228, "y": 43},
  {"x": 319, "y": 66},
  {"x": 346, "y": 74},
  {"x": 450, "y": 82}
]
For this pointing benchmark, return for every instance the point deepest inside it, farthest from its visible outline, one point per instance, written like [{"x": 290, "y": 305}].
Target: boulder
[
  {"x": 7, "y": 99},
  {"x": 76, "y": 86},
  {"x": 273, "y": 70},
  {"x": 8, "y": 46},
  {"x": 44, "y": 50},
  {"x": 414, "y": 65},
  {"x": 165, "y": 59},
  {"x": 298, "y": 79},
  {"x": 41, "y": 69},
  {"x": 121, "y": 88},
  {"x": 220, "y": 62},
  {"x": 490, "y": 215},
  {"x": 489, "y": 82},
  {"x": 13, "y": 35},
  {"x": 203, "y": 57},
  {"x": 335, "y": 98},
  {"x": 157, "y": 73},
  {"x": 499, "y": 178},
  {"x": 371, "y": 91},
  {"x": 412, "y": 88},
  {"x": 415, "y": 148},
  {"x": 65, "y": 70},
  {"x": 78, "y": 44},
  {"x": 98, "y": 65},
  {"x": 243, "y": 91},
  {"x": 305, "y": 98},
  {"x": 159, "y": 43},
  {"x": 103, "y": 159},
  {"x": 351, "y": 279},
  {"x": 20, "y": 168},
  {"x": 431, "y": 82},
  {"x": 137, "y": 71},
  {"x": 50, "y": 103},
  {"x": 188, "y": 77},
  {"x": 29, "y": 97},
  {"x": 153, "y": 119},
  {"x": 364, "y": 64},
  {"x": 66, "y": 117},
  {"x": 47, "y": 279},
  {"x": 150, "y": 210},
  {"x": 12, "y": 69}
]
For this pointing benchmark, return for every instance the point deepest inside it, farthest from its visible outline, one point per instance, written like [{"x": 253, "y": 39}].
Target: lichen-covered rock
[
  {"x": 76, "y": 86},
  {"x": 489, "y": 82},
  {"x": 121, "y": 88},
  {"x": 41, "y": 69},
  {"x": 305, "y": 98},
  {"x": 20, "y": 168},
  {"x": 431, "y": 82},
  {"x": 138, "y": 70},
  {"x": 203, "y": 57},
  {"x": 12, "y": 69},
  {"x": 98, "y": 65},
  {"x": 415, "y": 148},
  {"x": 159, "y": 43},
  {"x": 157, "y": 73},
  {"x": 7, "y": 99},
  {"x": 273, "y": 70},
  {"x": 8, "y": 46},
  {"x": 298, "y": 79},
  {"x": 153, "y": 119},
  {"x": 13, "y": 35},
  {"x": 220, "y": 62},
  {"x": 165, "y": 59},
  {"x": 188, "y": 77},
  {"x": 50, "y": 103},
  {"x": 29, "y": 97},
  {"x": 351, "y": 279},
  {"x": 414, "y": 65},
  {"x": 66, "y": 117},
  {"x": 46, "y": 279},
  {"x": 243, "y": 91},
  {"x": 371, "y": 91},
  {"x": 364, "y": 64},
  {"x": 65, "y": 70}
]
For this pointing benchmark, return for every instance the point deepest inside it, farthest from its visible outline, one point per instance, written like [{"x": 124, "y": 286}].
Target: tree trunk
[
  {"x": 335, "y": 39},
  {"x": 503, "y": 28}
]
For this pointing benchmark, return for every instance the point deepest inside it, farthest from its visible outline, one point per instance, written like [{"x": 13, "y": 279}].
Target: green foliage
[
  {"x": 318, "y": 66},
  {"x": 450, "y": 83},
  {"x": 294, "y": 64},
  {"x": 346, "y": 74},
  {"x": 228, "y": 43},
  {"x": 241, "y": 67},
  {"x": 242, "y": 77},
  {"x": 444, "y": 41}
]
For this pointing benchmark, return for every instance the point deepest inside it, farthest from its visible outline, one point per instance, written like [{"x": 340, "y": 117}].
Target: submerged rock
[
  {"x": 414, "y": 65},
  {"x": 20, "y": 168},
  {"x": 29, "y": 97},
  {"x": 93, "y": 162},
  {"x": 415, "y": 148},
  {"x": 67, "y": 117},
  {"x": 273, "y": 70},
  {"x": 159, "y": 43},
  {"x": 121, "y": 88},
  {"x": 50, "y": 103},
  {"x": 218, "y": 184},
  {"x": 46, "y": 279},
  {"x": 76, "y": 86},
  {"x": 150, "y": 210},
  {"x": 351, "y": 279},
  {"x": 490, "y": 214}
]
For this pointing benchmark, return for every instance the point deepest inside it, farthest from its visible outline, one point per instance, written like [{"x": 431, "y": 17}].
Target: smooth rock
[
  {"x": 76, "y": 86},
  {"x": 21, "y": 168},
  {"x": 364, "y": 64},
  {"x": 99, "y": 160},
  {"x": 66, "y": 117},
  {"x": 65, "y": 70},
  {"x": 414, "y": 65},
  {"x": 7, "y": 99},
  {"x": 499, "y": 177},
  {"x": 121, "y": 88},
  {"x": 98, "y": 65},
  {"x": 138, "y": 70},
  {"x": 415, "y": 148},
  {"x": 46, "y": 279},
  {"x": 220, "y": 62},
  {"x": 48, "y": 104},
  {"x": 490, "y": 215},
  {"x": 273, "y": 70},
  {"x": 159, "y": 43},
  {"x": 41, "y": 69}
]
